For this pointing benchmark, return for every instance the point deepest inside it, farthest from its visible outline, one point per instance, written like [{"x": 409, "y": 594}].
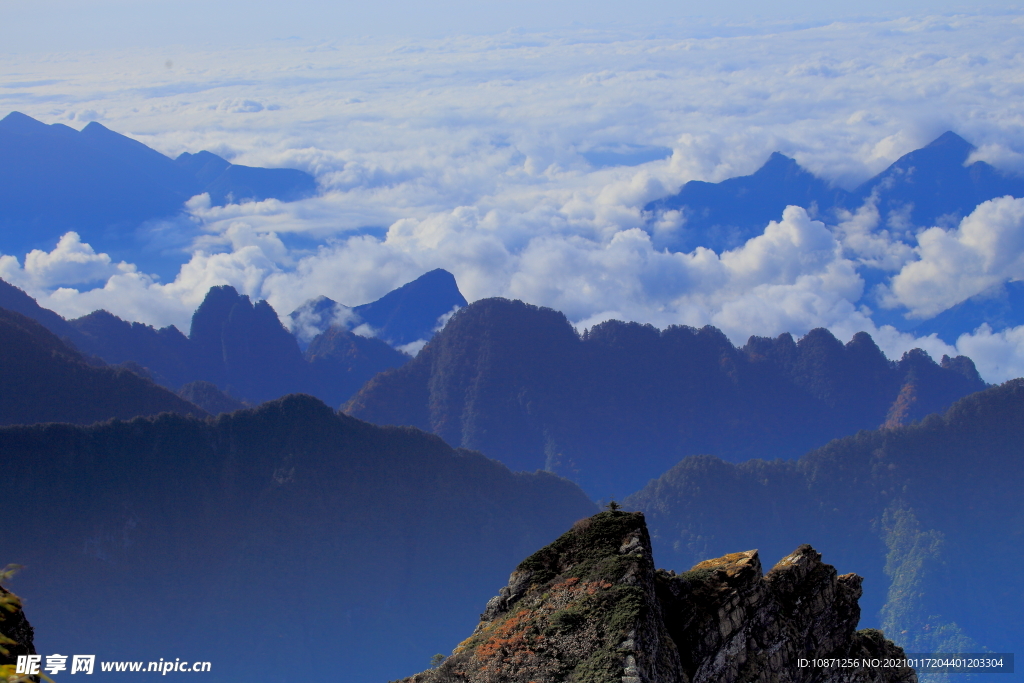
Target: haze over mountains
[
  {"x": 518, "y": 383},
  {"x": 42, "y": 380},
  {"x": 243, "y": 348},
  {"x": 383, "y": 544},
  {"x": 521, "y": 163},
  {"x": 108, "y": 185},
  {"x": 334, "y": 548},
  {"x": 930, "y": 514}
]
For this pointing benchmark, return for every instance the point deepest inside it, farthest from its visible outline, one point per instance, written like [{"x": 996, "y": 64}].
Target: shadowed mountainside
[
  {"x": 999, "y": 307},
  {"x": 42, "y": 380},
  {"x": 333, "y": 548},
  {"x": 625, "y": 402},
  {"x": 932, "y": 511}
]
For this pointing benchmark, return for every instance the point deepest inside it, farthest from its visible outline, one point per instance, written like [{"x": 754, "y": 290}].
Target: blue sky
[{"x": 457, "y": 143}]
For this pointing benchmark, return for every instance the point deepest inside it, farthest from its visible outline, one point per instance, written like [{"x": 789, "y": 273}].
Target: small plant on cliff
[
  {"x": 612, "y": 506},
  {"x": 9, "y": 604},
  {"x": 436, "y": 660},
  {"x": 699, "y": 575}
]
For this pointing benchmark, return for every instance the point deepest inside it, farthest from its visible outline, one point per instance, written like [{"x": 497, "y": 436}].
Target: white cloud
[
  {"x": 1000, "y": 156},
  {"x": 412, "y": 348},
  {"x": 71, "y": 262},
  {"x": 985, "y": 250},
  {"x": 307, "y": 322},
  {"x": 465, "y": 153},
  {"x": 240, "y": 106},
  {"x": 869, "y": 244},
  {"x": 999, "y": 356}
]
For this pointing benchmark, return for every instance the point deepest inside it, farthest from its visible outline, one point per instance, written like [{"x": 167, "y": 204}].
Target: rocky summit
[{"x": 592, "y": 607}]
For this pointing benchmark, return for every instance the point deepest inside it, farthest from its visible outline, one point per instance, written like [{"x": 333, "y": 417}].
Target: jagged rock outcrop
[{"x": 591, "y": 607}]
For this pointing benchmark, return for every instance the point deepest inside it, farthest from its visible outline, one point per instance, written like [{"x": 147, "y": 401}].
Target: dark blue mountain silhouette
[
  {"x": 339, "y": 550},
  {"x": 407, "y": 314},
  {"x": 14, "y": 299},
  {"x": 934, "y": 186},
  {"x": 232, "y": 183},
  {"x": 42, "y": 379},
  {"x": 519, "y": 383},
  {"x": 724, "y": 215},
  {"x": 104, "y": 185},
  {"x": 411, "y": 312},
  {"x": 239, "y": 346},
  {"x": 929, "y": 186}
]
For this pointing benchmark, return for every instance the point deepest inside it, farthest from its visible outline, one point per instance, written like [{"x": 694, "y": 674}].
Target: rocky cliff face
[{"x": 592, "y": 607}]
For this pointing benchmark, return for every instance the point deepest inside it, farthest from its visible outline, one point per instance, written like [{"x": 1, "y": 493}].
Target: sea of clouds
[{"x": 493, "y": 157}]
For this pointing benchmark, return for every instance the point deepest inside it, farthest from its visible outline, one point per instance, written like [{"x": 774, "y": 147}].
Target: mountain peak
[
  {"x": 96, "y": 127},
  {"x": 951, "y": 141},
  {"x": 16, "y": 121},
  {"x": 777, "y": 161},
  {"x": 591, "y": 606},
  {"x": 412, "y": 312}
]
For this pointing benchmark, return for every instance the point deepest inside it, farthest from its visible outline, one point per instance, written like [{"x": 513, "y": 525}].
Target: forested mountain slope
[
  {"x": 285, "y": 538},
  {"x": 43, "y": 380},
  {"x": 625, "y": 402},
  {"x": 931, "y": 514}
]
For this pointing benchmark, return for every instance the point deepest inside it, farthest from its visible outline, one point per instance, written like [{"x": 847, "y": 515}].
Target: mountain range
[
  {"x": 408, "y": 315},
  {"x": 159, "y": 514},
  {"x": 43, "y": 380},
  {"x": 930, "y": 186},
  {"x": 114, "y": 190},
  {"x": 380, "y": 545},
  {"x": 931, "y": 514},
  {"x": 623, "y": 402},
  {"x": 329, "y": 547},
  {"x": 243, "y": 349},
  {"x": 110, "y": 184}
]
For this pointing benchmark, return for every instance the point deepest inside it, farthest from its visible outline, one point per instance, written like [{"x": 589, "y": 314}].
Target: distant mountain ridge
[
  {"x": 108, "y": 184},
  {"x": 244, "y": 350},
  {"x": 921, "y": 511},
  {"x": 43, "y": 380},
  {"x": 337, "y": 549},
  {"x": 929, "y": 186},
  {"x": 517, "y": 382},
  {"x": 408, "y": 314}
]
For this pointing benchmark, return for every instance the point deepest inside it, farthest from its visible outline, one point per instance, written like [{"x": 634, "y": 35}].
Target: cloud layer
[{"x": 471, "y": 154}]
